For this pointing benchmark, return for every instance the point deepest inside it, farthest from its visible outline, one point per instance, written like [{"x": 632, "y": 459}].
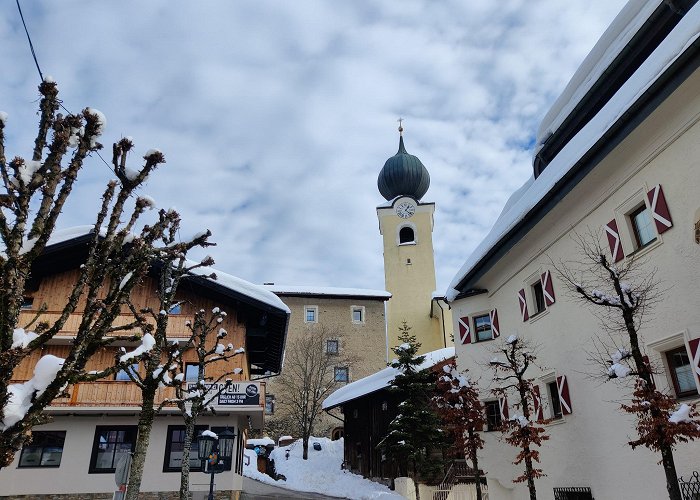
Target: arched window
[
  {"x": 406, "y": 235},
  {"x": 337, "y": 433}
]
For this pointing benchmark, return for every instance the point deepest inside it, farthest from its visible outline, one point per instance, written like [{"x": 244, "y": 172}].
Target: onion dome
[{"x": 403, "y": 175}]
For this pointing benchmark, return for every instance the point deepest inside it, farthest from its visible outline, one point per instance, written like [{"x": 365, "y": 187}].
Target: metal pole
[{"x": 211, "y": 486}]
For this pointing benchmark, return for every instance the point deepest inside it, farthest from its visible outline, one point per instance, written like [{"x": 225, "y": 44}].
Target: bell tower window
[{"x": 406, "y": 235}]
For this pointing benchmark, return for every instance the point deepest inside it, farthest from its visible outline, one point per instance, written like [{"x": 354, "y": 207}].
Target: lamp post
[{"x": 216, "y": 451}]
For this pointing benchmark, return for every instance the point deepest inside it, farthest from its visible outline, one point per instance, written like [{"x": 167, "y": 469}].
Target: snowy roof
[
  {"x": 228, "y": 281},
  {"x": 523, "y": 201},
  {"x": 327, "y": 290},
  {"x": 381, "y": 379}
]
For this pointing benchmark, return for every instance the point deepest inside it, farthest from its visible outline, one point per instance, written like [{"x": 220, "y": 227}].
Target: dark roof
[{"x": 403, "y": 174}]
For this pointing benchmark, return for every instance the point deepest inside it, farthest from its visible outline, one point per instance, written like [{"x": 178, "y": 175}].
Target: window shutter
[
  {"x": 523, "y": 304},
  {"x": 537, "y": 403},
  {"x": 614, "y": 241},
  {"x": 564, "y": 397},
  {"x": 548, "y": 288},
  {"x": 695, "y": 354},
  {"x": 503, "y": 408},
  {"x": 495, "y": 328},
  {"x": 659, "y": 209},
  {"x": 465, "y": 334}
]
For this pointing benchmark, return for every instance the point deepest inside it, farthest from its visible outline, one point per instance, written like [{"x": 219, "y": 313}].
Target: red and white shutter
[
  {"x": 659, "y": 209},
  {"x": 503, "y": 408},
  {"x": 537, "y": 403},
  {"x": 695, "y": 354},
  {"x": 495, "y": 327},
  {"x": 523, "y": 304},
  {"x": 614, "y": 241},
  {"x": 465, "y": 334},
  {"x": 548, "y": 288},
  {"x": 564, "y": 396}
]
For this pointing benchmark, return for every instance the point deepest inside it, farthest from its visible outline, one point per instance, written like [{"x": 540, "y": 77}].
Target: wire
[{"x": 31, "y": 46}]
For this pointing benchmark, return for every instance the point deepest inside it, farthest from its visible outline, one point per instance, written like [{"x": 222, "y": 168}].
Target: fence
[{"x": 690, "y": 489}]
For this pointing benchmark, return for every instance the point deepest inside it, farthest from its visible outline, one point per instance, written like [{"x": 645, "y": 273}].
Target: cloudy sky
[{"x": 276, "y": 117}]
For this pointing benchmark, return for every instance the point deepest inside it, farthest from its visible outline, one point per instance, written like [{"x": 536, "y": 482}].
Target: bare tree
[
  {"x": 459, "y": 407},
  {"x": 309, "y": 377},
  {"x": 513, "y": 358},
  {"x": 620, "y": 295},
  {"x": 35, "y": 192}
]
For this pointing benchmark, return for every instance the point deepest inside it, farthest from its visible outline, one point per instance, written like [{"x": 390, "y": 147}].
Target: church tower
[{"x": 406, "y": 226}]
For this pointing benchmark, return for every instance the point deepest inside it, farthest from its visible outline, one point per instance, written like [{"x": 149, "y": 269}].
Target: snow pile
[
  {"x": 321, "y": 473},
  {"x": 20, "y": 338},
  {"x": 147, "y": 343},
  {"x": 521, "y": 420},
  {"x": 21, "y": 395},
  {"x": 210, "y": 434},
  {"x": 618, "y": 371},
  {"x": 3, "y": 118},
  {"x": 511, "y": 339},
  {"x": 260, "y": 442},
  {"x": 682, "y": 414}
]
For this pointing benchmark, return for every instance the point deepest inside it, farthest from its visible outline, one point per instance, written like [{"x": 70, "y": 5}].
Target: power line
[{"x": 31, "y": 46}]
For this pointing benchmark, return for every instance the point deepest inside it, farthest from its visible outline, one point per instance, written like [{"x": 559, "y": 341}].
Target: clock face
[{"x": 405, "y": 209}]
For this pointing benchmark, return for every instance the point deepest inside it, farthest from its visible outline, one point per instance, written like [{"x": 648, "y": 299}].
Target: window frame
[
  {"x": 341, "y": 369},
  {"x": 176, "y": 307},
  {"x": 403, "y": 232},
  {"x": 537, "y": 293},
  {"x": 554, "y": 401},
  {"x": 498, "y": 421},
  {"x": 187, "y": 365},
  {"x": 95, "y": 446},
  {"x": 198, "y": 429},
  {"x": 308, "y": 309},
  {"x": 270, "y": 400},
  {"x": 337, "y": 347},
  {"x": 134, "y": 367},
  {"x": 636, "y": 232},
  {"x": 476, "y": 328},
  {"x": 27, "y": 303},
  {"x": 41, "y": 465},
  {"x": 361, "y": 310},
  {"x": 674, "y": 375}
]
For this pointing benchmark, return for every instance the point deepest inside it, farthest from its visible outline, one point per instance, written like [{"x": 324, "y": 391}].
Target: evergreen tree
[{"x": 415, "y": 433}]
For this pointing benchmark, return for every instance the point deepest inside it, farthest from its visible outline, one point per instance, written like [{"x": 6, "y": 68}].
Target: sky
[{"x": 275, "y": 118}]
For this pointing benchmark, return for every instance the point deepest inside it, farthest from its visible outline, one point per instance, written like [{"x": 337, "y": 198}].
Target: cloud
[{"x": 276, "y": 117}]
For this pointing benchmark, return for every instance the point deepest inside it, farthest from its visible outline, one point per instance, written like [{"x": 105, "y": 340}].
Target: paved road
[{"x": 255, "y": 490}]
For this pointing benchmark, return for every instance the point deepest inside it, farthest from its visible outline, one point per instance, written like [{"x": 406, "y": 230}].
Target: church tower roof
[{"x": 403, "y": 174}]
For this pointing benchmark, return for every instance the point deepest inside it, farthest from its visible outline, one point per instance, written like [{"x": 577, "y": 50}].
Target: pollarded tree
[
  {"x": 415, "y": 433},
  {"x": 620, "y": 295},
  {"x": 34, "y": 194},
  {"x": 513, "y": 358},
  {"x": 460, "y": 409}
]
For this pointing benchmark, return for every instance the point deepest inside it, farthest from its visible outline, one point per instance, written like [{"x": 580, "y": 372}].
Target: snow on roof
[
  {"x": 381, "y": 379},
  {"x": 233, "y": 283},
  {"x": 260, "y": 442},
  {"x": 527, "y": 197},
  {"x": 327, "y": 290},
  {"x": 616, "y": 37}
]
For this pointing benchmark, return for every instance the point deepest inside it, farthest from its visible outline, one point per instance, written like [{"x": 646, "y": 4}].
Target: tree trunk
[
  {"x": 186, "y": 448},
  {"x": 530, "y": 479},
  {"x": 305, "y": 442},
  {"x": 674, "y": 489},
  {"x": 415, "y": 481},
  {"x": 475, "y": 465},
  {"x": 144, "y": 435}
]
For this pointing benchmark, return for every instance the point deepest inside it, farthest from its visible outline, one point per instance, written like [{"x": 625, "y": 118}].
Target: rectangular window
[
  {"x": 482, "y": 327},
  {"x": 538, "y": 294},
  {"x": 681, "y": 372},
  {"x": 111, "y": 444},
  {"x": 358, "y": 314},
  {"x": 27, "y": 303},
  {"x": 269, "y": 404},
  {"x": 310, "y": 314},
  {"x": 554, "y": 402},
  {"x": 45, "y": 450},
  {"x": 331, "y": 347},
  {"x": 176, "y": 308},
  {"x": 642, "y": 226},
  {"x": 493, "y": 415},
  {"x": 191, "y": 372},
  {"x": 123, "y": 376},
  {"x": 174, "y": 445},
  {"x": 219, "y": 430},
  {"x": 342, "y": 374}
]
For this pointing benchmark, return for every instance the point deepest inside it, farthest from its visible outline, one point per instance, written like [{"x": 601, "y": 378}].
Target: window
[
  {"x": 538, "y": 294},
  {"x": 176, "y": 308},
  {"x": 111, "y": 444},
  {"x": 681, "y": 372},
  {"x": 27, "y": 303},
  {"x": 482, "y": 327},
  {"x": 342, "y": 374},
  {"x": 191, "y": 372},
  {"x": 358, "y": 314},
  {"x": 174, "y": 446},
  {"x": 45, "y": 450},
  {"x": 219, "y": 430},
  {"x": 123, "y": 376},
  {"x": 493, "y": 415},
  {"x": 311, "y": 314},
  {"x": 269, "y": 404},
  {"x": 642, "y": 226},
  {"x": 331, "y": 347},
  {"x": 554, "y": 402},
  {"x": 406, "y": 235}
]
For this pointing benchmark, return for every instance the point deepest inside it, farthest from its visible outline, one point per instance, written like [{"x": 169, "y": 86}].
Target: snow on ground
[{"x": 321, "y": 473}]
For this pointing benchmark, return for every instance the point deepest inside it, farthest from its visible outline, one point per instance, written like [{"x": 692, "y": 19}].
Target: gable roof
[{"x": 672, "y": 61}]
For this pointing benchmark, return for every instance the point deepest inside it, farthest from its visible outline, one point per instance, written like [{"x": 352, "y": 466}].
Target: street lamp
[{"x": 216, "y": 451}]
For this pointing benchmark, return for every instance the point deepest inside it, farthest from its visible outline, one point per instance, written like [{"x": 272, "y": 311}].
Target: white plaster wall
[
  {"x": 589, "y": 447},
  {"x": 72, "y": 476}
]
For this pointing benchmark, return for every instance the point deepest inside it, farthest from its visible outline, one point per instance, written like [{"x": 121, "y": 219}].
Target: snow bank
[{"x": 321, "y": 473}]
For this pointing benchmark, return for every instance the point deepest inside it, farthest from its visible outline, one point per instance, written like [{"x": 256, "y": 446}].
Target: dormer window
[{"x": 406, "y": 235}]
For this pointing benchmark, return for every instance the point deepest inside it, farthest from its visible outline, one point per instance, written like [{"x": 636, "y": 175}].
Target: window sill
[
  {"x": 556, "y": 421},
  {"x": 538, "y": 315},
  {"x": 638, "y": 252},
  {"x": 407, "y": 243}
]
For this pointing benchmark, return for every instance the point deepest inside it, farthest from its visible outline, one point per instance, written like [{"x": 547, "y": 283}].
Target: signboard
[{"x": 245, "y": 393}]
